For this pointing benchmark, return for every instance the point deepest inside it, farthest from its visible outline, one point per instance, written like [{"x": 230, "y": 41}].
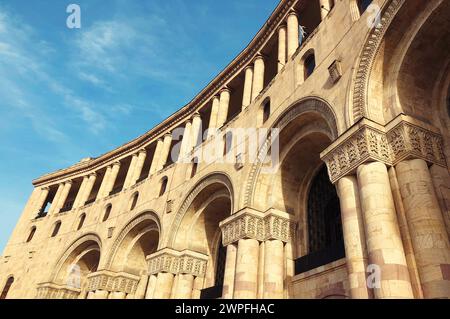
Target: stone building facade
[{"x": 355, "y": 94}]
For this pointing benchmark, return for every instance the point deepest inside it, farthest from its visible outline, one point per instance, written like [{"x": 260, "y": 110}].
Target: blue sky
[{"x": 67, "y": 94}]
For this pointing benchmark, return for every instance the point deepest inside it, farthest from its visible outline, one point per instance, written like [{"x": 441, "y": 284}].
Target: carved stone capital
[
  {"x": 177, "y": 262},
  {"x": 51, "y": 290},
  {"x": 403, "y": 138},
  {"x": 250, "y": 223},
  {"x": 113, "y": 281}
]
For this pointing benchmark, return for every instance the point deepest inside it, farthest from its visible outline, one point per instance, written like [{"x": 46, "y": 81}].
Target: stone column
[
  {"x": 258, "y": 77},
  {"x": 77, "y": 203},
  {"x": 196, "y": 130},
  {"x": 187, "y": 140},
  {"x": 88, "y": 189},
  {"x": 248, "y": 84},
  {"x": 354, "y": 237},
  {"x": 112, "y": 178},
  {"x": 156, "y": 156},
  {"x": 230, "y": 269},
  {"x": 64, "y": 194},
  {"x": 43, "y": 194},
  {"x": 281, "y": 47},
  {"x": 55, "y": 201},
  {"x": 222, "y": 115},
  {"x": 164, "y": 151},
  {"x": 246, "y": 278},
  {"x": 184, "y": 286},
  {"x": 163, "y": 287},
  {"x": 91, "y": 295},
  {"x": 213, "y": 119},
  {"x": 384, "y": 244},
  {"x": 427, "y": 227},
  {"x": 273, "y": 269},
  {"x": 151, "y": 287},
  {"x": 117, "y": 295},
  {"x": 324, "y": 8},
  {"x": 142, "y": 155},
  {"x": 292, "y": 34},
  {"x": 131, "y": 171},
  {"x": 101, "y": 191},
  {"x": 101, "y": 294}
]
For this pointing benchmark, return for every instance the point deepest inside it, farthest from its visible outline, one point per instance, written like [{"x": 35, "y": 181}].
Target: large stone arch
[
  {"x": 141, "y": 235},
  {"x": 87, "y": 248}
]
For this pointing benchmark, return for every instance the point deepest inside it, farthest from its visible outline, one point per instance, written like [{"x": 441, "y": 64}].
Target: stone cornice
[
  {"x": 250, "y": 223},
  {"x": 177, "y": 262},
  {"x": 366, "y": 141},
  {"x": 113, "y": 281},
  {"x": 244, "y": 58}
]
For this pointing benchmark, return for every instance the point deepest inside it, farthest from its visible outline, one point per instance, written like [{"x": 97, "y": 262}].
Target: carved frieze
[
  {"x": 113, "y": 282},
  {"x": 402, "y": 139},
  {"x": 257, "y": 225},
  {"x": 175, "y": 262},
  {"x": 54, "y": 291}
]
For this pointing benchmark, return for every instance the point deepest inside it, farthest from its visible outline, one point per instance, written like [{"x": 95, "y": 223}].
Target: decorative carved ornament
[
  {"x": 113, "y": 282},
  {"x": 253, "y": 224},
  {"x": 53, "y": 291},
  {"x": 176, "y": 262},
  {"x": 402, "y": 139}
]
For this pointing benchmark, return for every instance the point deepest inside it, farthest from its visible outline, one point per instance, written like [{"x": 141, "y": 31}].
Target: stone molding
[
  {"x": 177, "y": 262},
  {"x": 113, "y": 281},
  {"x": 50, "y": 290},
  {"x": 252, "y": 224},
  {"x": 367, "y": 141}
]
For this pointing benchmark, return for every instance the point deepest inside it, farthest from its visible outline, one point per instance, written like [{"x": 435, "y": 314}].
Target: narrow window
[
  {"x": 134, "y": 201},
  {"x": 7, "y": 287},
  {"x": 56, "y": 229},
  {"x": 227, "y": 142},
  {"x": 220, "y": 267},
  {"x": 82, "y": 219},
  {"x": 363, "y": 5},
  {"x": 194, "y": 167},
  {"x": 310, "y": 65},
  {"x": 266, "y": 111},
  {"x": 107, "y": 212},
  {"x": 163, "y": 186},
  {"x": 31, "y": 235}
]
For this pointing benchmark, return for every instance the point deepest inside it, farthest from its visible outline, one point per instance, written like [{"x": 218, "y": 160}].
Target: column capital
[
  {"x": 292, "y": 12},
  {"x": 403, "y": 138},
  {"x": 189, "y": 120},
  {"x": 94, "y": 174},
  {"x": 250, "y": 66},
  {"x": 196, "y": 115},
  {"x": 253, "y": 224},
  {"x": 259, "y": 56},
  {"x": 112, "y": 281},
  {"x": 177, "y": 262},
  {"x": 167, "y": 134},
  {"x": 225, "y": 89},
  {"x": 45, "y": 188},
  {"x": 282, "y": 26},
  {"x": 116, "y": 164},
  {"x": 142, "y": 150},
  {"x": 70, "y": 182}
]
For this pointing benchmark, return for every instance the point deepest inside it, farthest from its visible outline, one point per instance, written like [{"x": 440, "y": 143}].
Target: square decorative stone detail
[{"x": 335, "y": 71}]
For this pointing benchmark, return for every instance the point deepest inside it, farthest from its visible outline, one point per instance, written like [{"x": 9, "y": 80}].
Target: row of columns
[{"x": 412, "y": 260}]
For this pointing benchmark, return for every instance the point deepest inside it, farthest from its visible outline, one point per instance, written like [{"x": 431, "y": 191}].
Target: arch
[
  {"x": 81, "y": 219},
  {"x": 56, "y": 228},
  {"x": 134, "y": 199},
  {"x": 107, "y": 214},
  {"x": 31, "y": 234},
  {"x": 309, "y": 63},
  {"x": 9, "y": 282},
  {"x": 86, "y": 249},
  {"x": 163, "y": 185},
  {"x": 206, "y": 182},
  {"x": 141, "y": 225},
  {"x": 313, "y": 106},
  {"x": 266, "y": 110}
]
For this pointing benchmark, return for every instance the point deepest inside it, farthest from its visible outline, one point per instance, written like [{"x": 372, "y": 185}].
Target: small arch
[
  {"x": 31, "y": 234},
  {"x": 81, "y": 221},
  {"x": 56, "y": 229},
  {"x": 309, "y": 64},
  {"x": 266, "y": 110},
  {"x": 7, "y": 287},
  {"x": 108, "y": 210},
  {"x": 134, "y": 200},
  {"x": 163, "y": 188}
]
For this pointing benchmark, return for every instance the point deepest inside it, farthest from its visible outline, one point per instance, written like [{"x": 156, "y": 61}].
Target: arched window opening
[
  {"x": 227, "y": 142},
  {"x": 81, "y": 222},
  {"x": 134, "y": 200},
  {"x": 163, "y": 188},
  {"x": 107, "y": 212},
  {"x": 266, "y": 111},
  {"x": 325, "y": 238},
  {"x": 56, "y": 229},
  {"x": 31, "y": 235},
  {"x": 363, "y": 5},
  {"x": 194, "y": 167},
  {"x": 7, "y": 287},
  {"x": 310, "y": 65}
]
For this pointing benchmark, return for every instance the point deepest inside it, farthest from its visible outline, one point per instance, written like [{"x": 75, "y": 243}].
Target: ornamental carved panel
[
  {"x": 175, "y": 262},
  {"x": 113, "y": 282}
]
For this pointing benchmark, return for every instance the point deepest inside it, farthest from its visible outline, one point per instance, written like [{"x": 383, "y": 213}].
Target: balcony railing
[
  {"x": 320, "y": 258},
  {"x": 214, "y": 292},
  {"x": 67, "y": 207},
  {"x": 116, "y": 190}
]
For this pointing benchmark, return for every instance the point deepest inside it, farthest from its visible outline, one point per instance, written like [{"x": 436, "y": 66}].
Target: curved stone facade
[{"x": 238, "y": 206}]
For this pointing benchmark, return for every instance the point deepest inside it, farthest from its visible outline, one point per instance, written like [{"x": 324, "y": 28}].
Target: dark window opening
[
  {"x": 363, "y": 5},
  {"x": 325, "y": 236},
  {"x": 310, "y": 65},
  {"x": 31, "y": 235},
  {"x": 215, "y": 292},
  {"x": 56, "y": 229},
  {"x": 81, "y": 223},
  {"x": 134, "y": 201},
  {"x": 266, "y": 111},
  {"x": 7, "y": 287},
  {"x": 227, "y": 142},
  {"x": 163, "y": 186},
  {"x": 194, "y": 167},
  {"x": 107, "y": 212}
]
